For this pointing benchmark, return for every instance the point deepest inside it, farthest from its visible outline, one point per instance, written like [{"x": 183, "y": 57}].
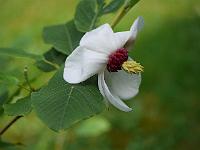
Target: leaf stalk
[
  {"x": 127, "y": 7},
  {"x": 9, "y": 125}
]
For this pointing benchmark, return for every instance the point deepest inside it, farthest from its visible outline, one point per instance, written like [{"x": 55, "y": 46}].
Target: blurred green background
[{"x": 166, "y": 111}]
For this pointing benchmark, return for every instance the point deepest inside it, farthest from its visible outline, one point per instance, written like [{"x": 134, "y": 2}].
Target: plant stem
[
  {"x": 9, "y": 124},
  {"x": 52, "y": 64},
  {"x": 121, "y": 14},
  {"x": 23, "y": 87},
  {"x": 27, "y": 79}
]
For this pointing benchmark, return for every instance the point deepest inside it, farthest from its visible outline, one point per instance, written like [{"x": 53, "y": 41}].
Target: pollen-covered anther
[{"x": 132, "y": 67}]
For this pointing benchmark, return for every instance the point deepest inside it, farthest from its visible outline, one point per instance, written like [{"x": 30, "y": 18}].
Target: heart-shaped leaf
[
  {"x": 64, "y": 38},
  {"x": 60, "y": 104}
]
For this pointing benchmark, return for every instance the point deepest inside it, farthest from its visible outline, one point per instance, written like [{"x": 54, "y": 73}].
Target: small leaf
[
  {"x": 64, "y": 38},
  {"x": 3, "y": 98},
  {"x": 86, "y": 15},
  {"x": 55, "y": 57},
  {"x": 131, "y": 3},
  {"x": 21, "y": 108},
  {"x": 113, "y": 6},
  {"x": 44, "y": 66},
  {"x": 19, "y": 53},
  {"x": 60, "y": 104}
]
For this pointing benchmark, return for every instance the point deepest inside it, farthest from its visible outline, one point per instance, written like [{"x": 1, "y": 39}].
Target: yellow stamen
[{"x": 131, "y": 66}]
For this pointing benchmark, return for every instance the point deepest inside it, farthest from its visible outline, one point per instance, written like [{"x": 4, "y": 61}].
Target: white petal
[
  {"x": 111, "y": 97},
  {"x": 101, "y": 39},
  {"x": 137, "y": 26},
  {"x": 123, "y": 84},
  {"x": 100, "y": 85},
  {"x": 82, "y": 64},
  {"x": 122, "y": 38}
]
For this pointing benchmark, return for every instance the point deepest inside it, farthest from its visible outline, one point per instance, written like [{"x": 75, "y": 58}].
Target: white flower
[{"x": 103, "y": 52}]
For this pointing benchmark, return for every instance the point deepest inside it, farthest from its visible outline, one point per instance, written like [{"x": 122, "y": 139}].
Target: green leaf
[
  {"x": 19, "y": 53},
  {"x": 3, "y": 98},
  {"x": 86, "y": 15},
  {"x": 5, "y": 144},
  {"x": 8, "y": 80},
  {"x": 113, "y": 6},
  {"x": 21, "y": 108},
  {"x": 64, "y": 38},
  {"x": 60, "y": 104},
  {"x": 101, "y": 2},
  {"x": 131, "y": 3},
  {"x": 44, "y": 66},
  {"x": 4, "y": 94},
  {"x": 55, "y": 57},
  {"x": 10, "y": 146}
]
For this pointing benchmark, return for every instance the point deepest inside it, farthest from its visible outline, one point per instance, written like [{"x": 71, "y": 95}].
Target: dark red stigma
[{"x": 116, "y": 60}]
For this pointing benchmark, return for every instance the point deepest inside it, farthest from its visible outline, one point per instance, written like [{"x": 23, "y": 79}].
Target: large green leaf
[
  {"x": 21, "y": 108},
  {"x": 86, "y": 15},
  {"x": 60, "y": 104},
  {"x": 113, "y": 6},
  {"x": 19, "y": 53},
  {"x": 65, "y": 37}
]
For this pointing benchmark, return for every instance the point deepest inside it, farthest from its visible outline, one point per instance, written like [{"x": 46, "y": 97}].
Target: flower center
[{"x": 116, "y": 60}]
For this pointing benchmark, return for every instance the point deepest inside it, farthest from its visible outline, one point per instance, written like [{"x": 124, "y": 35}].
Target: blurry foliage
[
  {"x": 166, "y": 111},
  {"x": 21, "y": 108}
]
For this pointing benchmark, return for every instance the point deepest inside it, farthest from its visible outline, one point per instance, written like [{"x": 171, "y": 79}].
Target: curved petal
[
  {"x": 82, "y": 64},
  {"x": 100, "y": 85},
  {"x": 137, "y": 26},
  {"x": 101, "y": 39},
  {"x": 123, "y": 84},
  {"x": 111, "y": 97},
  {"x": 122, "y": 38}
]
